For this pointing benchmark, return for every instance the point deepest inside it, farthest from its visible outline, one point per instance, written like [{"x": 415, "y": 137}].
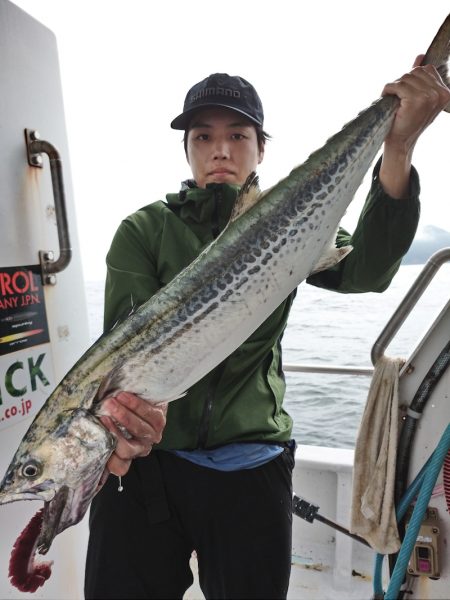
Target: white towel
[{"x": 373, "y": 509}]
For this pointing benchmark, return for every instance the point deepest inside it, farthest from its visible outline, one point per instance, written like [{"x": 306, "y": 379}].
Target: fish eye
[{"x": 31, "y": 469}]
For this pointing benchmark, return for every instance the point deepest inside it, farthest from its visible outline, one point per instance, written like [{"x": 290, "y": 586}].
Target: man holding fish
[{"x": 218, "y": 480}]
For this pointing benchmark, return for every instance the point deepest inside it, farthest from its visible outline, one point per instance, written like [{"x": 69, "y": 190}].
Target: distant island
[{"x": 430, "y": 240}]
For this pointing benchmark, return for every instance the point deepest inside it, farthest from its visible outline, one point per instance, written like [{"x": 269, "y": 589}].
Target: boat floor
[{"x": 312, "y": 579}]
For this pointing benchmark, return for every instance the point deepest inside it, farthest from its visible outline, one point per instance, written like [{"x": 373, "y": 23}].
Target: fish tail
[{"x": 438, "y": 54}]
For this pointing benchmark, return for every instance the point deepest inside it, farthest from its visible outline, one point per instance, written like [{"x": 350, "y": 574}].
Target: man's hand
[
  {"x": 144, "y": 422},
  {"x": 422, "y": 95}
]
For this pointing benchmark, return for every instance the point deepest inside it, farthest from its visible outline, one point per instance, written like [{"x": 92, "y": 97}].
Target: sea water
[{"x": 327, "y": 328}]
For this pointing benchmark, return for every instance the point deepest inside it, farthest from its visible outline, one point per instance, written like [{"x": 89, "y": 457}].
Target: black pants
[{"x": 239, "y": 523}]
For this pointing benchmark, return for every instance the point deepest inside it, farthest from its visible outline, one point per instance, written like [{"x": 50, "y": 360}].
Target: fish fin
[
  {"x": 134, "y": 307},
  {"x": 107, "y": 387},
  {"x": 330, "y": 258},
  {"x": 438, "y": 54},
  {"x": 249, "y": 195},
  {"x": 128, "y": 312}
]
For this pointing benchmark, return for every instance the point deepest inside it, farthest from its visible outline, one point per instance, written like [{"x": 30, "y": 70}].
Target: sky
[{"x": 127, "y": 66}]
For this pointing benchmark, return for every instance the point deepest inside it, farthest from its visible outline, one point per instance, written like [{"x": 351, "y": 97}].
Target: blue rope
[
  {"x": 403, "y": 506},
  {"x": 429, "y": 481}
]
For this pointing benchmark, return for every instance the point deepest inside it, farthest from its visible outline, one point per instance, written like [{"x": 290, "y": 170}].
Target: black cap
[{"x": 221, "y": 89}]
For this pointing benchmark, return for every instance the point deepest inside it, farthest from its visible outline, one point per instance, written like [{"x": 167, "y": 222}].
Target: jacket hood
[
  {"x": 191, "y": 193},
  {"x": 204, "y": 209}
]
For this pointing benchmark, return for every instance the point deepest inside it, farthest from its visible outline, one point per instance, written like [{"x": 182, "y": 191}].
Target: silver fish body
[
  {"x": 196, "y": 321},
  {"x": 272, "y": 243},
  {"x": 215, "y": 304}
]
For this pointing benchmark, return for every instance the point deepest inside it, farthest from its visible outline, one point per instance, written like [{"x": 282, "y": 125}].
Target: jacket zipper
[
  {"x": 212, "y": 386},
  {"x": 215, "y": 221},
  {"x": 205, "y": 420}
]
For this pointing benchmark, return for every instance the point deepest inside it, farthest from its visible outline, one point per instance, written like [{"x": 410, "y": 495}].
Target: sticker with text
[
  {"x": 23, "y": 320},
  {"x": 26, "y": 381}
]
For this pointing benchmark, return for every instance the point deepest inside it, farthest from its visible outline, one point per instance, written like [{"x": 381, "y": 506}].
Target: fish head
[{"x": 62, "y": 467}]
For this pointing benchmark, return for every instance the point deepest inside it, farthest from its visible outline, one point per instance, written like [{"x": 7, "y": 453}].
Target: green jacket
[{"x": 242, "y": 399}]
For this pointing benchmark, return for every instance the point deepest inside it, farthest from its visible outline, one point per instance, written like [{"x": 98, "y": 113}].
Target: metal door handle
[{"x": 49, "y": 266}]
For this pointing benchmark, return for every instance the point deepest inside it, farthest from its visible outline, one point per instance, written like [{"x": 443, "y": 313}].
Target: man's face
[{"x": 222, "y": 147}]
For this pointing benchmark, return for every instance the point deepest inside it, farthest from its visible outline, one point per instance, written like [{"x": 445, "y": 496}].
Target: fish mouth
[
  {"x": 67, "y": 508},
  {"x": 44, "y": 491},
  {"x": 52, "y": 519}
]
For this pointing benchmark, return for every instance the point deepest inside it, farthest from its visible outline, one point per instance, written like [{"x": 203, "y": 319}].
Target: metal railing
[
  {"x": 421, "y": 283},
  {"x": 328, "y": 369},
  {"x": 411, "y": 298}
]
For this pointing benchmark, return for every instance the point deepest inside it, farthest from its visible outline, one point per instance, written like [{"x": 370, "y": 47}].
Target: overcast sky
[{"x": 126, "y": 68}]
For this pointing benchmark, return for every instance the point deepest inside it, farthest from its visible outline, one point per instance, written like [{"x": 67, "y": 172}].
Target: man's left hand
[{"x": 423, "y": 95}]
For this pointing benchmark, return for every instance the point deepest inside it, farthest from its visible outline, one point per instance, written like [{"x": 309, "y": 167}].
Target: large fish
[{"x": 274, "y": 240}]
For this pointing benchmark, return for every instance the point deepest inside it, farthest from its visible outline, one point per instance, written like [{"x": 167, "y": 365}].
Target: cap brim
[{"x": 183, "y": 120}]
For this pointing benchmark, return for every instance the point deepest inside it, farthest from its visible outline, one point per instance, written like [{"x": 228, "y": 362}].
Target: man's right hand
[{"x": 144, "y": 422}]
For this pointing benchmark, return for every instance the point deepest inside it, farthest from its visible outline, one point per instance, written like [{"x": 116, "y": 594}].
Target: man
[{"x": 218, "y": 480}]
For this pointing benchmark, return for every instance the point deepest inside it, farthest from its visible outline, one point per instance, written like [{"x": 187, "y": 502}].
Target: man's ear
[{"x": 261, "y": 155}]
